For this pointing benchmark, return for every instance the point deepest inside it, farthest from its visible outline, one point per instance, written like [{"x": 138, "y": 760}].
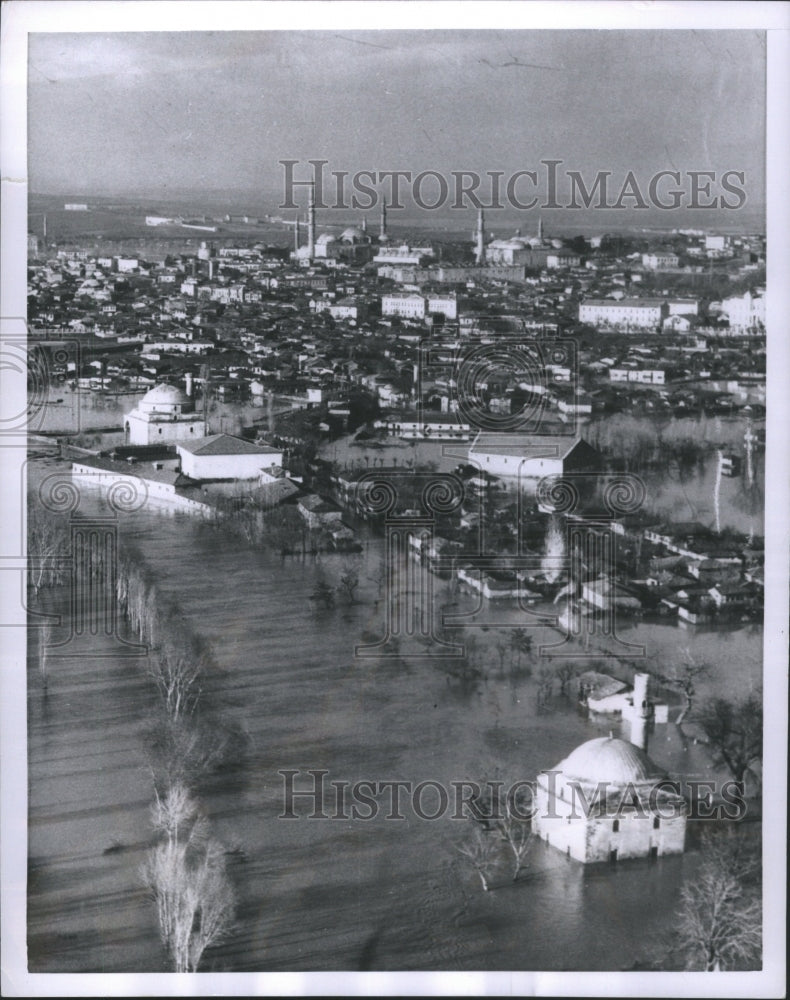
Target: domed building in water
[
  {"x": 165, "y": 414},
  {"x": 607, "y": 800}
]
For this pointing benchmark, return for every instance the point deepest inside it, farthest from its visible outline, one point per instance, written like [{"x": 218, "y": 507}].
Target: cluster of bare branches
[
  {"x": 187, "y": 876},
  {"x": 720, "y": 918},
  {"x": 482, "y": 846},
  {"x": 48, "y": 547}
]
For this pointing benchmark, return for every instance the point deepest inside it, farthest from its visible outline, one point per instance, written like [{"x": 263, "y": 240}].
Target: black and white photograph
[{"x": 395, "y": 498}]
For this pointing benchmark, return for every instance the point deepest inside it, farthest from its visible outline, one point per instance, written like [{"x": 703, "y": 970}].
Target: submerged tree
[
  {"x": 187, "y": 877},
  {"x": 479, "y": 851},
  {"x": 720, "y": 918},
  {"x": 734, "y": 733},
  {"x": 518, "y": 835},
  {"x": 682, "y": 677}
]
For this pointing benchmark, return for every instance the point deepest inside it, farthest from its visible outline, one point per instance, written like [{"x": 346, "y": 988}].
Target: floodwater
[
  {"x": 341, "y": 894},
  {"x": 691, "y": 498}
]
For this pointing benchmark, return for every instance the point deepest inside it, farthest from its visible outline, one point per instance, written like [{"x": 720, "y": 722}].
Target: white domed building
[
  {"x": 165, "y": 414},
  {"x": 607, "y": 800}
]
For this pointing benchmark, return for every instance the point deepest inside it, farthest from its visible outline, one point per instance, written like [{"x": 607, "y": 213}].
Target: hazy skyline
[{"x": 163, "y": 113}]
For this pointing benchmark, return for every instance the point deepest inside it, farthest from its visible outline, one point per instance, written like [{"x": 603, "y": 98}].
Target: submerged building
[
  {"x": 164, "y": 415},
  {"x": 607, "y": 800}
]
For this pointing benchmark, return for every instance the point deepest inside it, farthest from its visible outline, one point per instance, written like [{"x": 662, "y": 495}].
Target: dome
[
  {"x": 325, "y": 238},
  {"x": 517, "y": 242},
  {"x": 165, "y": 395},
  {"x": 352, "y": 234},
  {"x": 536, "y": 241},
  {"x": 608, "y": 759}
]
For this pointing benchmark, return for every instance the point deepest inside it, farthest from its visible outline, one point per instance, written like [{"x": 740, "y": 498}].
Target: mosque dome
[
  {"x": 165, "y": 398},
  {"x": 536, "y": 241},
  {"x": 615, "y": 761},
  {"x": 325, "y": 238},
  {"x": 352, "y": 235},
  {"x": 517, "y": 243}
]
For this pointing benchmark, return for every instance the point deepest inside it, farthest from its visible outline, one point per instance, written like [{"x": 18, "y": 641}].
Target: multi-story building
[{"x": 642, "y": 313}]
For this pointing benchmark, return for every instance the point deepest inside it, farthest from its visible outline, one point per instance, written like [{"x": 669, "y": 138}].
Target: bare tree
[
  {"x": 176, "y": 670},
  {"x": 682, "y": 677},
  {"x": 323, "y": 594},
  {"x": 48, "y": 546},
  {"x": 187, "y": 877},
  {"x": 720, "y": 918},
  {"x": 734, "y": 733},
  {"x": 565, "y": 672},
  {"x": 349, "y": 583},
  {"x": 518, "y": 836},
  {"x": 44, "y": 642},
  {"x": 545, "y": 685},
  {"x": 502, "y": 645},
  {"x": 520, "y": 644},
  {"x": 479, "y": 850}
]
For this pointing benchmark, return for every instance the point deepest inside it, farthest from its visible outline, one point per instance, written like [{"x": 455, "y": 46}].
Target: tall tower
[
  {"x": 641, "y": 713},
  {"x": 480, "y": 240},
  {"x": 540, "y": 228},
  {"x": 297, "y": 234},
  {"x": 311, "y": 223},
  {"x": 383, "y": 227},
  {"x": 364, "y": 223}
]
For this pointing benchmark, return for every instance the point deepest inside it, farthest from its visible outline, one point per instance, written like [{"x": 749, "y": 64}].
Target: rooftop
[{"x": 224, "y": 444}]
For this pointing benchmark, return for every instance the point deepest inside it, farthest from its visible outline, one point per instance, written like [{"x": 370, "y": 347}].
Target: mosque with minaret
[
  {"x": 608, "y": 800},
  {"x": 354, "y": 245}
]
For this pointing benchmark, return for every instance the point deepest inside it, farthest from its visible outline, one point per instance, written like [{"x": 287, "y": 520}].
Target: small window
[
  {"x": 656, "y": 822},
  {"x": 616, "y": 825}
]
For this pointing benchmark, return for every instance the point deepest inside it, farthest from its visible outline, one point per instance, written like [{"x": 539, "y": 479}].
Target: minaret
[
  {"x": 297, "y": 234},
  {"x": 311, "y": 223},
  {"x": 364, "y": 223},
  {"x": 383, "y": 227},
  {"x": 45, "y": 229},
  {"x": 641, "y": 712},
  {"x": 540, "y": 228},
  {"x": 480, "y": 243}
]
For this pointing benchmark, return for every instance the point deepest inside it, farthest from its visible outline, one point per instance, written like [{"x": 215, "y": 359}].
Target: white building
[
  {"x": 745, "y": 312},
  {"x": 607, "y": 801},
  {"x": 404, "y": 304},
  {"x": 642, "y": 313},
  {"x": 530, "y": 456},
  {"x": 221, "y": 456},
  {"x": 658, "y": 260},
  {"x": 445, "y": 304},
  {"x": 165, "y": 414}
]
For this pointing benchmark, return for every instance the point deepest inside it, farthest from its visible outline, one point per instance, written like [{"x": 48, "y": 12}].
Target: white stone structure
[
  {"x": 607, "y": 801},
  {"x": 164, "y": 415}
]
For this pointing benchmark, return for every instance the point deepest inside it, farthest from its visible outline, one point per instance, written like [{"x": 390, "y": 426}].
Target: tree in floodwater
[
  {"x": 518, "y": 835},
  {"x": 187, "y": 877},
  {"x": 734, "y": 734},
  {"x": 479, "y": 850},
  {"x": 323, "y": 594},
  {"x": 682, "y": 676},
  {"x": 520, "y": 644},
  {"x": 349, "y": 583},
  {"x": 565, "y": 672},
  {"x": 720, "y": 917},
  {"x": 177, "y": 666},
  {"x": 48, "y": 546}
]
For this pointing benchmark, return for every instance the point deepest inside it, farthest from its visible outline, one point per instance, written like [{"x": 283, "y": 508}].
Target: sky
[{"x": 169, "y": 112}]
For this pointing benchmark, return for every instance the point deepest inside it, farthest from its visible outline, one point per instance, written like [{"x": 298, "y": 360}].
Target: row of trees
[{"x": 186, "y": 869}]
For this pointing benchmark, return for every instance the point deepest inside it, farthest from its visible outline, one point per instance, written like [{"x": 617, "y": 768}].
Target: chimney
[{"x": 641, "y": 713}]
